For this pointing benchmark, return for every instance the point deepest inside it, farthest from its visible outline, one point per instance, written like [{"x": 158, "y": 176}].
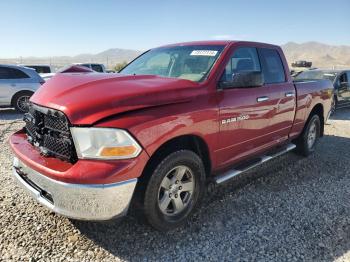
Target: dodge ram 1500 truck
[{"x": 177, "y": 118}]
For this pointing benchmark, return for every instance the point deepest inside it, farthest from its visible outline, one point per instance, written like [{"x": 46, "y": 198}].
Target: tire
[
  {"x": 308, "y": 140},
  {"x": 163, "y": 196},
  {"x": 20, "y": 101}
]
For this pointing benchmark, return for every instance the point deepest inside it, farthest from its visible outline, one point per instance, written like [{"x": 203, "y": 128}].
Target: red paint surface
[{"x": 157, "y": 109}]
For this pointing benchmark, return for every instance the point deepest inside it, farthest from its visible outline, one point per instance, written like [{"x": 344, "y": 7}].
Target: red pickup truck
[{"x": 177, "y": 118}]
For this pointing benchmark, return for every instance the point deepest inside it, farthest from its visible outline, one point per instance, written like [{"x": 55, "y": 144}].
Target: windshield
[
  {"x": 316, "y": 75},
  {"x": 185, "y": 62}
]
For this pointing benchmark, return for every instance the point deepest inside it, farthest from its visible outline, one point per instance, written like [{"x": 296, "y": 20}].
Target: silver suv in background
[{"x": 17, "y": 85}]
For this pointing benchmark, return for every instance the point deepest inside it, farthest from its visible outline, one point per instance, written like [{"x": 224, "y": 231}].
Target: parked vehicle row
[
  {"x": 175, "y": 120},
  {"x": 17, "y": 85},
  {"x": 340, "y": 80},
  {"x": 19, "y": 82}
]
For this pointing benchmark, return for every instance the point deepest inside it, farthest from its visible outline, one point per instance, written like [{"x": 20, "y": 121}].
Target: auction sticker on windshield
[{"x": 204, "y": 52}]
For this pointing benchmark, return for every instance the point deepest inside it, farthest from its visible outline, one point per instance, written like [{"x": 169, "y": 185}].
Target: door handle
[
  {"x": 289, "y": 94},
  {"x": 262, "y": 99}
]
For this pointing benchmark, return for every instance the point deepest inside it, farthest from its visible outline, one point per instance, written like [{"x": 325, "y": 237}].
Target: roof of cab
[{"x": 217, "y": 42}]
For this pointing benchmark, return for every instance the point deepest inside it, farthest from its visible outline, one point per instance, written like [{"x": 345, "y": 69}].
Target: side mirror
[{"x": 244, "y": 79}]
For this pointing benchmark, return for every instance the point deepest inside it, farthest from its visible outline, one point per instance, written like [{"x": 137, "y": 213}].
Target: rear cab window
[
  {"x": 97, "y": 68},
  {"x": 40, "y": 69},
  {"x": 272, "y": 66},
  {"x": 43, "y": 69}
]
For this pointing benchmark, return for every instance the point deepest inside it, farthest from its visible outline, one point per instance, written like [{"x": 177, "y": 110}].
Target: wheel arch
[{"x": 191, "y": 142}]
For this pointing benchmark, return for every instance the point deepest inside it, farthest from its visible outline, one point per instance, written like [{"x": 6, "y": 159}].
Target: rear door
[
  {"x": 254, "y": 119},
  {"x": 282, "y": 95}
]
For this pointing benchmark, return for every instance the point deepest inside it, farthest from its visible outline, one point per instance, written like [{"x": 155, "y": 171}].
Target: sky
[{"x": 67, "y": 27}]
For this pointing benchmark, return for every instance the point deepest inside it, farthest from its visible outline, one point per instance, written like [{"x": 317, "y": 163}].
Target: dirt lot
[{"x": 291, "y": 209}]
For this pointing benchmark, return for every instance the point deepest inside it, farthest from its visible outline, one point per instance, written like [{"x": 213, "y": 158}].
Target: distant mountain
[
  {"x": 321, "y": 55},
  {"x": 108, "y": 57},
  {"x": 118, "y": 54},
  {"x": 113, "y": 56}
]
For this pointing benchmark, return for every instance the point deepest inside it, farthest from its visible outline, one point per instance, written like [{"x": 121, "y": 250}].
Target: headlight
[{"x": 104, "y": 143}]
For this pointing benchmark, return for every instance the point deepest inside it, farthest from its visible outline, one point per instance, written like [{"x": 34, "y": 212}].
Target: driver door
[{"x": 245, "y": 112}]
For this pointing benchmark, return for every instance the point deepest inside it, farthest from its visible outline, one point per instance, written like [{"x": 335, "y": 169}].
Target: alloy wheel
[
  {"x": 312, "y": 135},
  {"x": 23, "y": 103},
  {"x": 176, "y": 190}
]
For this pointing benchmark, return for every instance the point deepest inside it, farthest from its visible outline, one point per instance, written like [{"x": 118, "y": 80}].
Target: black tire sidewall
[
  {"x": 154, "y": 215},
  {"x": 314, "y": 119}
]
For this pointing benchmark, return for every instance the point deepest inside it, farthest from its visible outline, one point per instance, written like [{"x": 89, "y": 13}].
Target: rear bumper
[{"x": 78, "y": 201}]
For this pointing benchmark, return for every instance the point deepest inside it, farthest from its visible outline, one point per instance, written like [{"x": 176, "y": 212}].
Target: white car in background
[
  {"x": 17, "y": 85},
  {"x": 45, "y": 71},
  {"x": 41, "y": 69},
  {"x": 96, "y": 67}
]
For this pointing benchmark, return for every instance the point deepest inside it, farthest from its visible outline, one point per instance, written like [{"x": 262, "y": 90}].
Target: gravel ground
[{"x": 291, "y": 209}]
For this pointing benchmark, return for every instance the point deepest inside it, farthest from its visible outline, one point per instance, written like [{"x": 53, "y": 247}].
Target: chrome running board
[{"x": 260, "y": 160}]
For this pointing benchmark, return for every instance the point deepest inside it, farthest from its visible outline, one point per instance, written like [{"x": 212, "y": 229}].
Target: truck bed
[{"x": 309, "y": 95}]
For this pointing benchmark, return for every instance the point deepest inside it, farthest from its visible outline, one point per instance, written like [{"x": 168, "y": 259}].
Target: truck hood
[{"x": 86, "y": 98}]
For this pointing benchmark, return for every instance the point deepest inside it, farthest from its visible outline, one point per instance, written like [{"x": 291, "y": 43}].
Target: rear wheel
[
  {"x": 21, "y": 101},
  {"x": 309, "y": 138},
  {"x": 174, "y": 190}
]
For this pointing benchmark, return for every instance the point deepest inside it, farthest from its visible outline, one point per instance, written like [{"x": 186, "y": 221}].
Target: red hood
[{"x": 88, "y": 97}]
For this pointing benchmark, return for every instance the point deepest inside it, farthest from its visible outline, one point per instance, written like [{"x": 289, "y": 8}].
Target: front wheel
[
  {"x": 174, "y": 190},
  {"x": 21, "y": 101},
  {"x": 309, "y": 138}
]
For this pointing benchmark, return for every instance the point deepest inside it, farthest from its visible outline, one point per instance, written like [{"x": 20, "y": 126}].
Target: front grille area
[{"x": 48, "y": 130}]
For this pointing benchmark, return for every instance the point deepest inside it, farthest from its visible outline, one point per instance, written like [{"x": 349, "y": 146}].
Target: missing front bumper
[{"x": 79, "y": 201}]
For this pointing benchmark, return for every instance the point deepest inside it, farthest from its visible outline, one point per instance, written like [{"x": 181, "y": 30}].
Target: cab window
[
  {"x": 244, "y": 59},
  {"x": 272, "y": 66}
]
